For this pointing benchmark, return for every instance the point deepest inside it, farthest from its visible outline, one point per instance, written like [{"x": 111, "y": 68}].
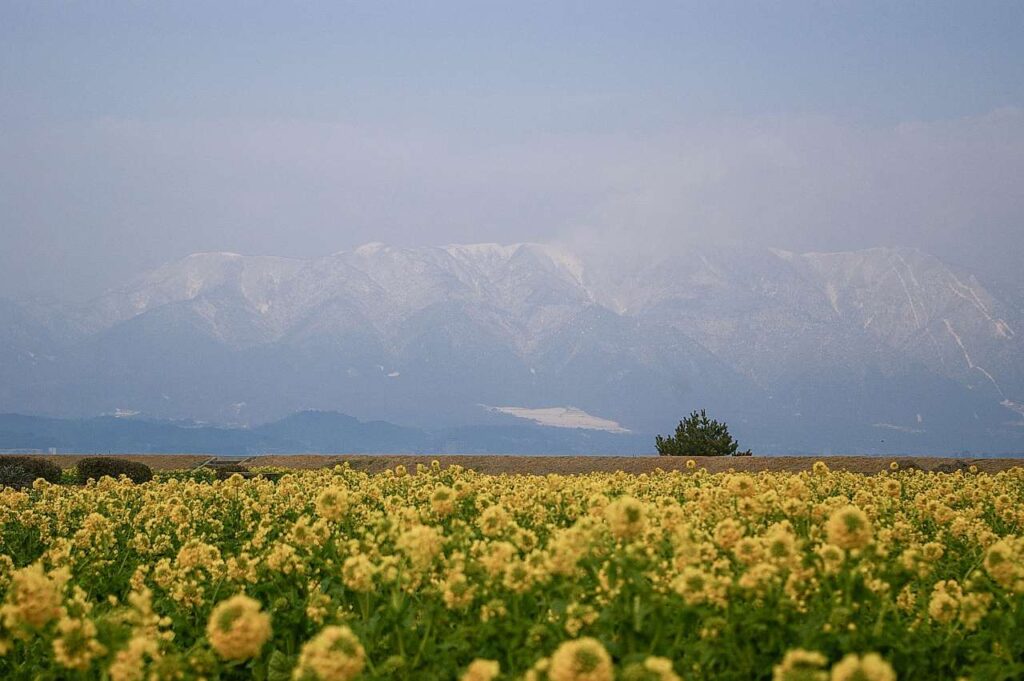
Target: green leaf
[{"x": 279, "y": 667}]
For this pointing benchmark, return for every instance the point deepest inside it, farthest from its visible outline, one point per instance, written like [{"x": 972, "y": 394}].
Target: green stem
[{"x": 423, "y": 643}]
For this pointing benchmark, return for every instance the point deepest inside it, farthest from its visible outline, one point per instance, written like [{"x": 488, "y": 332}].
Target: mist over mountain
[{"x": 878, "y": 350}]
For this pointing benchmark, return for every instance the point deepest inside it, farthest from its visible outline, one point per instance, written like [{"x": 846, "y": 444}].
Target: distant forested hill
[{"x": 304, "y": 432}]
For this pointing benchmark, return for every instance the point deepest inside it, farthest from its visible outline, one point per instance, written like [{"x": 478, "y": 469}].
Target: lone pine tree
[{"x": 697, "y": 435}]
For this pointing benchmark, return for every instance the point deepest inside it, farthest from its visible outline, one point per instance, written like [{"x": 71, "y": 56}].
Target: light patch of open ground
[
  {"x": 562, "y": 417},
  {"x": 567, "y": 465}
]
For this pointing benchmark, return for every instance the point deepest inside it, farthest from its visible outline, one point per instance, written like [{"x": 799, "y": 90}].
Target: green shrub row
[
  {"x": 21, "y": 471},
  {"x": 95, "y": 467}
]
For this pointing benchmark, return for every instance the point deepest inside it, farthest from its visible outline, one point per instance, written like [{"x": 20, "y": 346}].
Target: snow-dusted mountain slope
[{"x": 872, "y": 350}]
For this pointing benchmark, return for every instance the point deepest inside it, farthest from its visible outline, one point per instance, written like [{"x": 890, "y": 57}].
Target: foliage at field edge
[
  {"x": 446, "y": 574},
  {"x": 698, "y": 435}
]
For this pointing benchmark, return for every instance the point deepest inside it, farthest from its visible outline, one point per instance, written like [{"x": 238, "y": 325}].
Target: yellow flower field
[{"x": 447, "y": 574}]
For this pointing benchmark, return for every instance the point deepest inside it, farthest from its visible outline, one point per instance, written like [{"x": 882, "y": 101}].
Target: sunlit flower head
[
  {"x": 481, "y": 670},
  {"x": 626, "y": 516},
  {"x": 801, "y": 665},
  {"x": 335, "y": 654},
  {"x": 870, "y": 667},
  {"x": 584, "y": 659},
  {"x": 237, "y": 629},
  {"x": 651, "y": 669},
  {"x": 34, "y": 597},
  {"x": 849, "y": 528}
]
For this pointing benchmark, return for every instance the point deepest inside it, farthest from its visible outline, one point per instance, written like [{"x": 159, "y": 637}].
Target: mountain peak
[
  {"x": 795, "y": 346},
  {"x": 371, "y": 248},
  {"x": 483, "y": 250}
]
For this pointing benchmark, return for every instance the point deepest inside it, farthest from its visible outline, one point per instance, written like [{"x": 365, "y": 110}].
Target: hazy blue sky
[{"x": 135, "y": 133}]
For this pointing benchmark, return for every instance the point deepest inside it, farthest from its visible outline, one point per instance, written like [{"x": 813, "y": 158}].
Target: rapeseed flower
[
  {"x": 335, "y": 654},
  {"x": 237, "y": 628},
  {"x": 584, "y": 659}
]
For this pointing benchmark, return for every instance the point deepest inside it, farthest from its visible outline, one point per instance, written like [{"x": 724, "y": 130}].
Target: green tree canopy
[{"x": 697, "y": 435}]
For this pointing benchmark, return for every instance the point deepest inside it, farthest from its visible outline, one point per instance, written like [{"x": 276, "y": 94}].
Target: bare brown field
[{"x": 566, "y": 465}]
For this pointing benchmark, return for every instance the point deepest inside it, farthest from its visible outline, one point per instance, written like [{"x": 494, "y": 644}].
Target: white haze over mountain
[
  {"x": 90, "y": 204},
  {"x": 871, "y": 350}
]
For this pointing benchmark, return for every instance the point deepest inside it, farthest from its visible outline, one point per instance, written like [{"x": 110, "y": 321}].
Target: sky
[{"x": 135, "y": 133}]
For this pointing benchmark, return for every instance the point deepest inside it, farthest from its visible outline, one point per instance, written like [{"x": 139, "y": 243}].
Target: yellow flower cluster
[
  {"x": 34, "y": 597},
  {"x": 871, "y": 667},
  {"x": 335, "y": 654},
  {"x": 849, "y": 528},
  {"x": 804, "y": 665},
  {"x": 482, "y": 670},
  {"x": 445, "y": 573},
  {"x": 237, "y": 629},
  {"x": 584, "y": 659}
]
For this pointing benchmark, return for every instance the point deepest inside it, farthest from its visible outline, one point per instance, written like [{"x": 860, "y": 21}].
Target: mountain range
[
  {"x": 304, "y": 432},
  {"x": 880, "y": 350}
]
